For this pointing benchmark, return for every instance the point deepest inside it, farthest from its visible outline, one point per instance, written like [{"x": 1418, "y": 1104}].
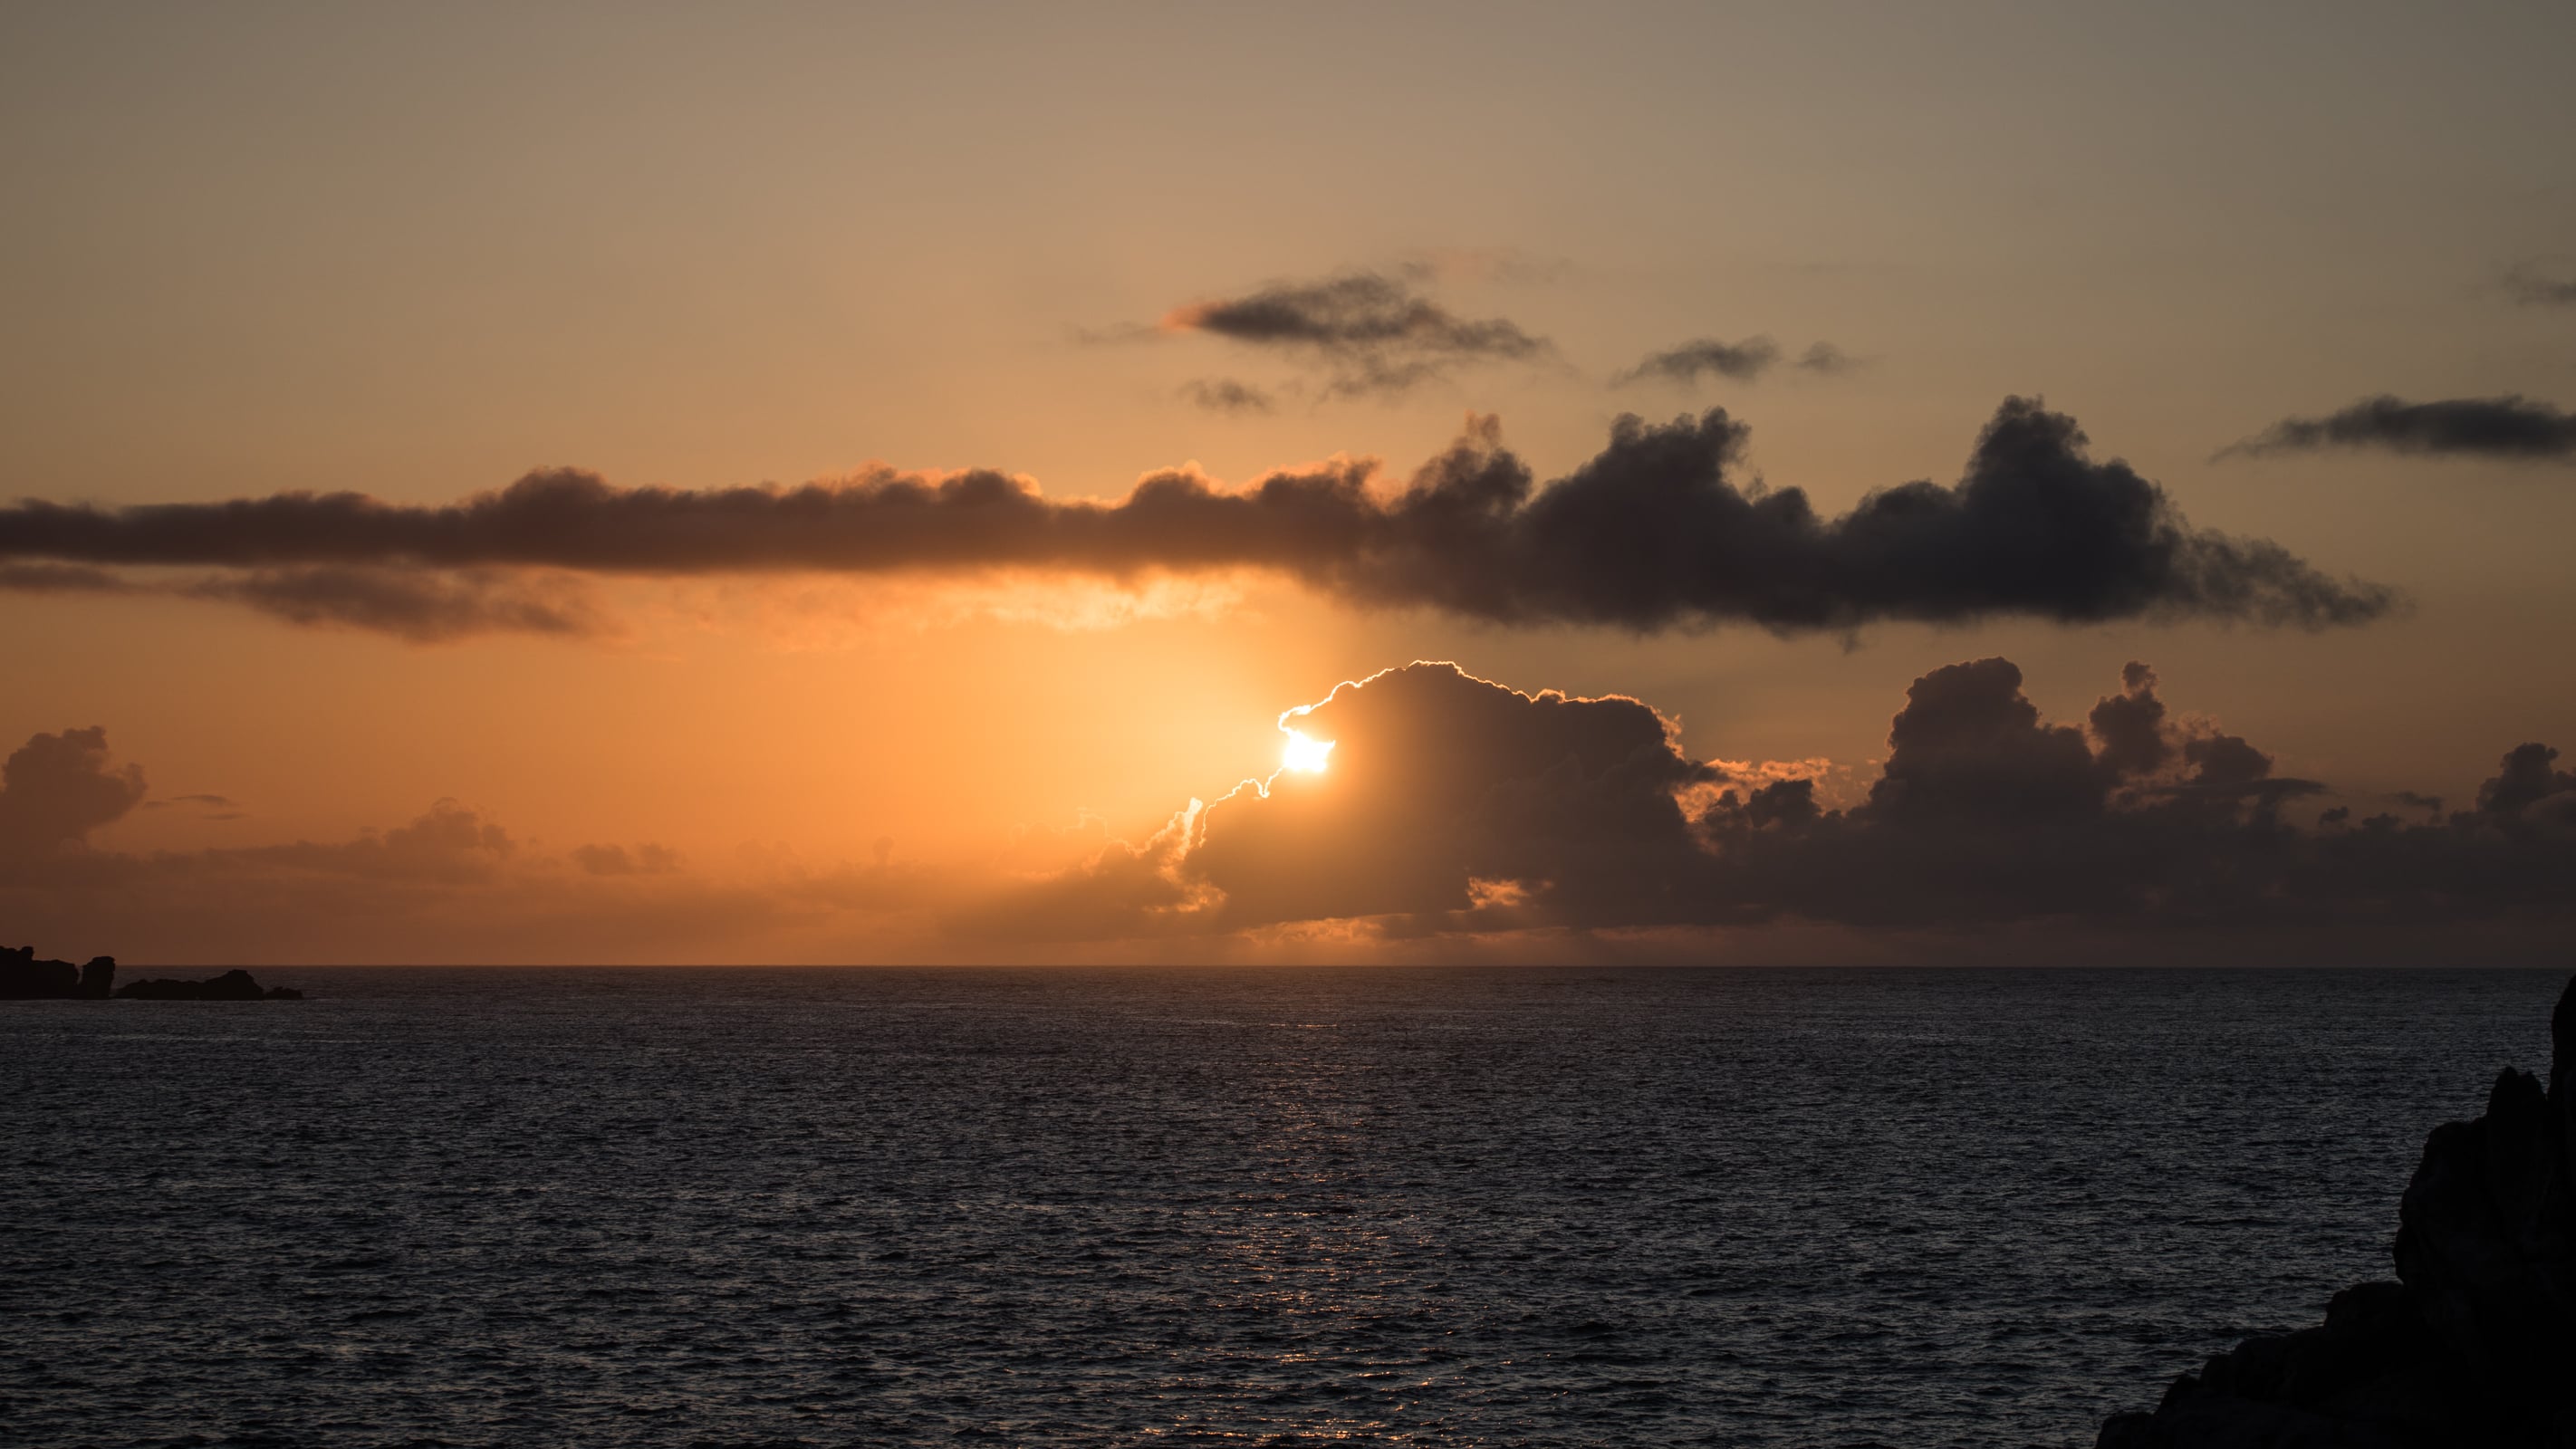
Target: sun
[{"x": 1305, "y": 756}]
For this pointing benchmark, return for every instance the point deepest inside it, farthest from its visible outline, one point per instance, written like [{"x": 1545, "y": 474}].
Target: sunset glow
[{"x": 1305, "y": 756}]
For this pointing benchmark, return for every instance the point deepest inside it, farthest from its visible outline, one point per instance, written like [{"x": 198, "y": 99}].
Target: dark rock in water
[
  {"x": 231, "y": 986},
  {"x": 98, "y": 977},
  {"x": 24, "y": 978},
  {"x": 2475, "y": 1344},
  {"x": 284, "y": 993}
]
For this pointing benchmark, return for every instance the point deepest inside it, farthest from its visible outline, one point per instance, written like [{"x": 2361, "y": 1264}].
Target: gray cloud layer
[
  {"x": 1653, "y": 532},
  {"x": 2492, "y": 427}
]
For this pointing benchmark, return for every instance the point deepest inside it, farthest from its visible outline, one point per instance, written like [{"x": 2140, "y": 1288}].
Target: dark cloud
[
  {"x": 1742, "y": 361},
  {"x": 1225, "y": 395},
  {"x": 1371, "y": 334},
  {"x": 2535, "y": 284},
  {"x": 2489, "y": 427},
  {"x": 1440, "y": 781},
  {"x": 56, "y": 788},
  {"x": 43, "y": 578},
  {"x": 1657, "y": 531},
  {"x": 421, "y": 605},
  {"x": 1453, "y": 804}
]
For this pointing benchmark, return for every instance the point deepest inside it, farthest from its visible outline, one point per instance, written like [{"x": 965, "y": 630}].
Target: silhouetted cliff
[
  {"x": 2476, "y": 1341},
  {"x": 24, "y": 978}
]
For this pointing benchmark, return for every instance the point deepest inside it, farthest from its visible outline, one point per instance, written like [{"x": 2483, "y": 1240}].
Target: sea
[{"x": 1480, "y": 1206}]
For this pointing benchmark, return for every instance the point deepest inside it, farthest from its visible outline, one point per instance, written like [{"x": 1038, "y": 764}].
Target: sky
[{"x": 1863, "y": 483}]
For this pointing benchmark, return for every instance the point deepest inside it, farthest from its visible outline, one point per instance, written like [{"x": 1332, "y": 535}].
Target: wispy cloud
[
  {"x": 2511, "y": 427},
  {"x": 1370, "y": 334}
]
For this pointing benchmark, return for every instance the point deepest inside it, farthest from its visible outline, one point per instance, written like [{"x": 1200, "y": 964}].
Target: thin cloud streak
[
  {"x": 1371, "y": 334},
  {"x": 2535, "y": 285},
  {"x": 1743, "y": 361},
  {"x": 2510, "y": 427}
]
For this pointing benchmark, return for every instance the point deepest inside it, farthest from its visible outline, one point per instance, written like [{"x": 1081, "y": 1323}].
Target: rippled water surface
[{"x": 661, "y": 1207}]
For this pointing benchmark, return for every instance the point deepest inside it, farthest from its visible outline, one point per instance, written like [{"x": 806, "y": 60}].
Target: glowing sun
[{"x": 1303, "y": 755}]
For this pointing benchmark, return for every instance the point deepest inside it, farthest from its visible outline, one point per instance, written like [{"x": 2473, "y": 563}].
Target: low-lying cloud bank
[
  {"x": 2512, "y": 427},
  {"x": 1660, "y": 530},
  {"x": 451, "y": 885},
  {"x": 1457, "y": 818},
  {"x": 1457, "y": 806}
]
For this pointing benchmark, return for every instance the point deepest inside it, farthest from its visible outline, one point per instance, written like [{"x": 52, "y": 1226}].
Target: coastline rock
[
  {"x": 24, "y": 978},
  {"x": 2475, "y": 1343},
  {"x": 233, "y": 985}
]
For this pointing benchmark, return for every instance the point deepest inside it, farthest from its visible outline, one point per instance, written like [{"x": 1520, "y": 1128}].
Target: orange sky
[{"x": 266, "y": 250}]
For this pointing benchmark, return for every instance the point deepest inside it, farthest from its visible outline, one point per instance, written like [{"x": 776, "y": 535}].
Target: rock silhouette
[
  {"x": 2475, "y": 1343},
  {"x": 233, "y": 985},
  {"x": 24, "y": 978}
]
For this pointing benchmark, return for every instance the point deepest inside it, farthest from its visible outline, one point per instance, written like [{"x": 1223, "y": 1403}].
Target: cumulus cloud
[
  {"x": 2510, "y": 427},
  {"x": 1370, "y": 334},
  {"x": 1659, "y": 530},
  {"x": 56, "y": 788},
  {"x": 1457, "y": 805}
]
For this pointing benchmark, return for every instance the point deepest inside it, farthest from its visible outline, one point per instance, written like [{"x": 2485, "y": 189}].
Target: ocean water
[{"x": 1261, "y": 1206}]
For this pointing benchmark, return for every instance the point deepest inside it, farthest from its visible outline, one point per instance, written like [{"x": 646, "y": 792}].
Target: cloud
[
  {"x": 451, "y": 884},
  {"x": 43, "y": 578},
  {"x": 1481, "y": 264},
  {"x": 1742, "y": 361},
  {"x": 1657, "y": 531},
  {"x": 1455, "y": 805},
  {"x": 1827, "y": 359},
  {"x": 56, "y": 788},
  {"x": 646, "y": 859},
  {"x": 2535, "y": 284},
  {"x": 448, "y": 842},
  {"x": 420, "y": 605},
  {"x": 2511, "y": 427},
  {"x": 1371, "y": 334},
  {"x": 1225, "y": 395}
]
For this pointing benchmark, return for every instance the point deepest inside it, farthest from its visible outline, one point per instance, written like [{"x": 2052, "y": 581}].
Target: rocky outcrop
[
  {"x": 24, "y": 978},
  {"x": 231, "y": 986},
  {"x": 2475, "y": 1343}
]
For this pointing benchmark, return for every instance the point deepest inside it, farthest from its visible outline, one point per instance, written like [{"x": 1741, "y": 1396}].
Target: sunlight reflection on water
[{"x": 1093, "y": 1207}]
